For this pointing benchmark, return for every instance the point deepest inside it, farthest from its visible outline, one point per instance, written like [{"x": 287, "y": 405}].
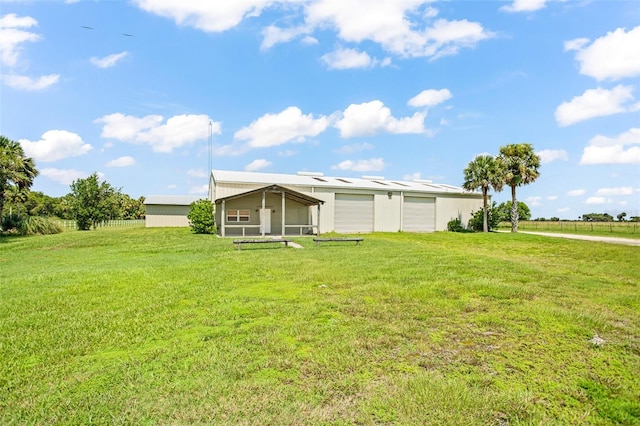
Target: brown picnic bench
[
  {"x": 357, "y": 240},
  {"x": 239, "y": 243}
]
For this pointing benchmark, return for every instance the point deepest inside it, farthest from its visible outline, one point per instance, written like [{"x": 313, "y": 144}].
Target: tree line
[{"x": 89, "y": 202}]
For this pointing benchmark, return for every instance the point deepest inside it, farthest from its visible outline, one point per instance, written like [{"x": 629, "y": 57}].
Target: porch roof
[{"x": 289, "y": 194}]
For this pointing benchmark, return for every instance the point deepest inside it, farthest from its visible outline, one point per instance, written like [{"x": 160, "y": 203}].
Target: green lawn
[{"x": 160, "y": 326}]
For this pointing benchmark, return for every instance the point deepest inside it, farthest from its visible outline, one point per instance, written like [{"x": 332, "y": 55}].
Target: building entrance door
[{"x": 265, "y": 220}]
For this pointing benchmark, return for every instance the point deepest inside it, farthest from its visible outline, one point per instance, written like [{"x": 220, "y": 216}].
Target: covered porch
[{"x": 272, "y": 210}]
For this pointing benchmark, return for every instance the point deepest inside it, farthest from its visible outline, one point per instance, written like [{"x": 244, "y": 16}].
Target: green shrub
[
  {"x": 201, "y": 217},
  {"x": 455, "y": 225},
  {"x": 30, "y": 225},
  {"x": 37, "y": 225},
  {"x": 477, "y": 219},
  {"x": 12, "y": 223}
]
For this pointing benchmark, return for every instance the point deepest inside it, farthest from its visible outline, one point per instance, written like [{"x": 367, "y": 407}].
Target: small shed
[{"x": 168, "y": 210}]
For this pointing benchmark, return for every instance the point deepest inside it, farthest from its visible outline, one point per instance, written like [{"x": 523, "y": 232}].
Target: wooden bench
[
  {"x": 239, "y": 243},
  {"x": 340, "y": 240}
]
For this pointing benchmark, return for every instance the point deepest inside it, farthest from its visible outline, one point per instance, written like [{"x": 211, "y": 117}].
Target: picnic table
[
  {"x": 239, "y": 243},
  {"x": 357, "y": 240}
]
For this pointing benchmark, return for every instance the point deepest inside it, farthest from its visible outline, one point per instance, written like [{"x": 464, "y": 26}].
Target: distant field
[
  {"x": 160, "y": 326},
  {"x": 611, "y": 229}
]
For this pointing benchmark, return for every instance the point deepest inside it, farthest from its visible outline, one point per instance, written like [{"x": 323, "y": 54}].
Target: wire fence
[
  {"x": 578, "y": 226},
  {"x": 71, "y": 224}
]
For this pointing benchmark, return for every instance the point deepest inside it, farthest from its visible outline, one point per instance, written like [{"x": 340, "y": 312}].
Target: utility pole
[{"x": 210, "y": 147}]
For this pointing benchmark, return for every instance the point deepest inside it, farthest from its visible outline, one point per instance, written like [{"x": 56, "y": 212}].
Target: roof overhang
[{"x": 289, "y": 194}]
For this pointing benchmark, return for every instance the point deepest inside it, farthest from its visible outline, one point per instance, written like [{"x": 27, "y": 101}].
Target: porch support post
[
  {"x": 318, "y": 232},
  {"x": 223, "y": 216},
  {"x": 262, "y": 212},
  {"x": 283, "y": 214}
]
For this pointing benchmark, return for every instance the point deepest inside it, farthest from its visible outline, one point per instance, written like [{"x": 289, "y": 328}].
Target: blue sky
[{"x": 400, "y": 89}]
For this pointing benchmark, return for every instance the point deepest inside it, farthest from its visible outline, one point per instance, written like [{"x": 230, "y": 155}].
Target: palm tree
[
  {"x": 484, "y": 172},
  {"x": 521, "y": 168},
  {"x": 17, "y": 171}
]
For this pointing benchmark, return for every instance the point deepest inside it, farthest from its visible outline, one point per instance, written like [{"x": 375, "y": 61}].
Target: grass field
[
  {"x": 160, "y": 326},
  {"x": 605, "y": 229}
]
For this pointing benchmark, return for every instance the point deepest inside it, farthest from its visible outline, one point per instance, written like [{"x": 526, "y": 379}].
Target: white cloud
[
  {"x": 55, "y": 145},
  {"x": 623, "y": 190},
  {"x": 552, "y": 197},
  {"x": 200, "y": 189},
  {"x": 429, "y": 98},
  {"x": 524, "y": 6},
  {"x": 342, "y": 59},
  {"x": 199, "y": 173},
  {"x": 575, "y": 44},
  {"x": 369, "y": 118},
  {"x": 108, "y": 61},
  {"x": 576, "y": 193},
  {"x": 12, "y": 37},
  {"x": 534, "y": 201},
  {"x": 23, "y": 82},
  {"x": 413, "y": 176},
  {"x": 372, "y": 165},
  {"x": 549, "y": 155},
  {"x": 597, "y": 200},
  {"x": 258, "y": 164},
  {"x": 356, "y": 147},
  {"x": 178, "y": 131},
  {"x": 308, "y": 40},
  {"x": 622, "y": 149},
  {"x": 390, "y": 24},
  {"x": 273, "y": 35},
  {"x": 277, "y": 129},
  {"x": 214, "y": 16},
  {"x": 595, "y": 103},
  {"x": 65, "y": 177},
  {"x": 610, "y": 57},
  {"x": 125, "y": 161},
  {"x": 447, "y": 37},
  {"x": 400, "y": 27},
  {"x": 287, "y": 153},
  {"x": 563, "y": 210}
]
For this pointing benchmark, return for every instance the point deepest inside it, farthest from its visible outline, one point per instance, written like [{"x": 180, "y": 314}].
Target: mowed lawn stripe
[{"x": 151, "y": 326}]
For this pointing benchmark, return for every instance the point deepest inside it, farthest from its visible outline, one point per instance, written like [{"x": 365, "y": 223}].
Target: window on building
[{"x": 238, "y": 216}]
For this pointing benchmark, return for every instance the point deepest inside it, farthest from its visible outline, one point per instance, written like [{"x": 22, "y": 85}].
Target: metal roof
[
  {"x": 319, "y": 180},
  {"x": 176, "y": 200},
  {"x": 288, "y": 193}
]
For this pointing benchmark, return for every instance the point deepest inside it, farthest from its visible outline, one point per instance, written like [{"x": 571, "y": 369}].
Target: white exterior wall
[
  {"x": 387, "y": 211},
  {"x": 451, "y": 207},
  {"x": 326, "y": 223},
  {"x": 166, "y": 215}
]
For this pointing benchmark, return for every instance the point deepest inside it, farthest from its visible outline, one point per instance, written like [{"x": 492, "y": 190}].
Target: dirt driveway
[{"x": 613, "y": 240}]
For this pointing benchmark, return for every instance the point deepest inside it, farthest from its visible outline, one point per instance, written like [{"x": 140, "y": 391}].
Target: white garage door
[
  {"x": 419, "y": 214},
  {"x": 354, "y": 213}
]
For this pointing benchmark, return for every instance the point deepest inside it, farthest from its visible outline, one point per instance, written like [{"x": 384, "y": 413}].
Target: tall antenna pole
[{"x": 210, "y": 147}]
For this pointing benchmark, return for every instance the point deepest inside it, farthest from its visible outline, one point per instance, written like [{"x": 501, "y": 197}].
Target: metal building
[
  {"x": 168, "y": 210},
  {"x": 249, "y": 203}
]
